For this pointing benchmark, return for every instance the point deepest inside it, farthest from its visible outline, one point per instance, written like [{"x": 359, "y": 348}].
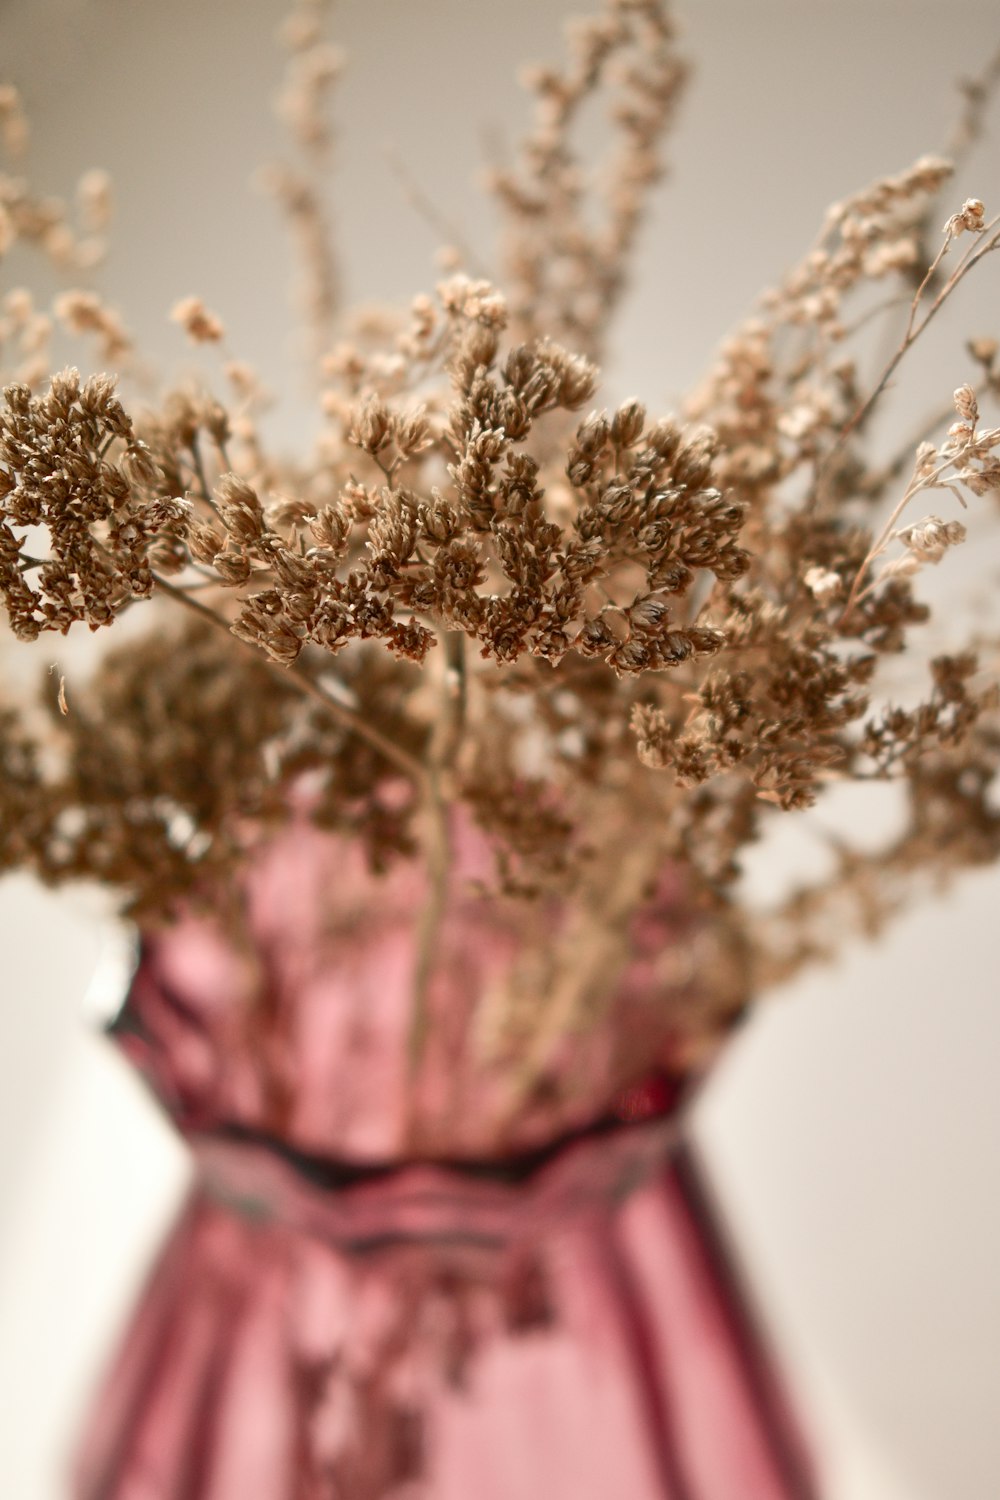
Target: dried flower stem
[
  {"x": 968, "y": 127},
  {"x": 904, "y": 455},
  {"x": 590, "y": 953},
  {"x": 438, "y": 222},
  {"x": 350, "y": 720},
  {"x": 989, "y": 239},
  {"x": 443, "y": 750},
  {"x": 918, "y": 482},
  {"x": 437, "y": 849}
]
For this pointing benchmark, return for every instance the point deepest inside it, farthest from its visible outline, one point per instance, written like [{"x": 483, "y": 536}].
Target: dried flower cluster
[{"x": 587, "y": 628}]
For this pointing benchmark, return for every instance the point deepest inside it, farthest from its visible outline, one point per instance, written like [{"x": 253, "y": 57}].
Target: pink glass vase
[{"x": 389, "y": 1285}]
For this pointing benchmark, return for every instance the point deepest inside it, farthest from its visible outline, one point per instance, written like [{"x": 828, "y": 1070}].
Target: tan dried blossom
[
  {"x": 84, "y": 312},
  {"x": 200, "y": 325},
  {"x": 823, "y": 584},
  {"x": 13, "y": 122},
  {"x": 929, "y": 539},
  {"x": 971, "y": 216}
]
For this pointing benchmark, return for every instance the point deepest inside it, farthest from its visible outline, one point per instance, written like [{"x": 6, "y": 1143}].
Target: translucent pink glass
[{"x": 389, "y": 1283}]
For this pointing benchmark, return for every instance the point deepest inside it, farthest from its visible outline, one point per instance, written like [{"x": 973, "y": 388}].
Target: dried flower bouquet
[
  {"x": 474, "y": 613},
  {"x": 478, "y": 705}
]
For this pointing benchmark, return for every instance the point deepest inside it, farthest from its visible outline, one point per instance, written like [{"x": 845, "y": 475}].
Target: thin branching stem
[
  {"x": 444, "y": 749},
  {"x": 988, "y": 239},
  {"x": 352, "y": 721},
  {"x": 904, "y": 454},
  {"x": 918, "y": 482},
  {"x": 436, "y": 221}
]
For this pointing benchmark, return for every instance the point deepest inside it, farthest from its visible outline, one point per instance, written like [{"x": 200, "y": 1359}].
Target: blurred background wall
[{"x": 854, "y": 1128}]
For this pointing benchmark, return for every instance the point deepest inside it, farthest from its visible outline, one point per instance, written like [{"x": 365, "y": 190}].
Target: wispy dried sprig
[
  {"x": 966, "y": 459},
  {"x": 313, "y": 67},
  {"x": 565, "y": 274}
]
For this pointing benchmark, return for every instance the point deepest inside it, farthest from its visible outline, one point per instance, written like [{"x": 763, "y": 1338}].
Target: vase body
[{"x": 389, "y": 1282}]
